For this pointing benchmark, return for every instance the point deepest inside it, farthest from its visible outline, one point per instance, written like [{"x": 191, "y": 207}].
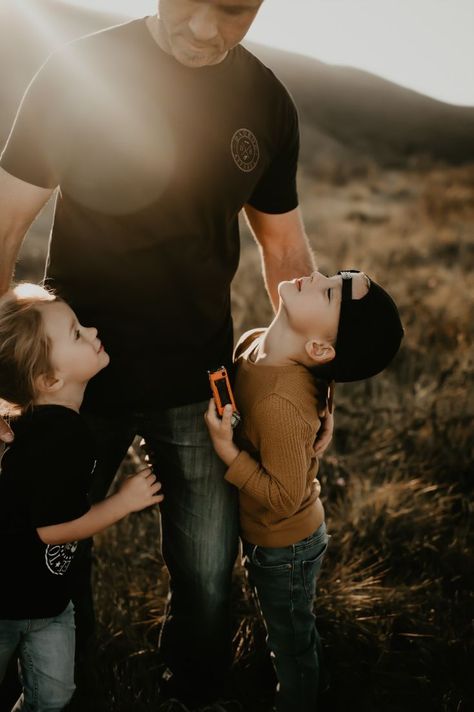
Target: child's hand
[
  {"x": 140, "y": 490},
  {"x": 220, "y": 430}
]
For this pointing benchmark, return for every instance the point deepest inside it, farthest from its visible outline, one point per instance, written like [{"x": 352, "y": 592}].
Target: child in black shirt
[{"x": 46, "y": 360}]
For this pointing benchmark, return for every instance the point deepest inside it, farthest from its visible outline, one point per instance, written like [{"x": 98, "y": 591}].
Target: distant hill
[
  {"x": 372, "y": 114},
  {"x": 344, "y": 112}
]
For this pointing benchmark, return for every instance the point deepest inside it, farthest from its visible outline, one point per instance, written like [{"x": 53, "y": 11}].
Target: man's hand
[
  {"x": 6, "y": 433},
  {"x": 325, "y": 432},
  {"x": 220, "y": 430}
]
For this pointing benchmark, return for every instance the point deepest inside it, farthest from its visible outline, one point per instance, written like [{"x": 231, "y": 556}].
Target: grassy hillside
[
  {"x": 395, "y": 594},
  {"x": 346, "y": 114},
  {"x": 394, "y": 601}
]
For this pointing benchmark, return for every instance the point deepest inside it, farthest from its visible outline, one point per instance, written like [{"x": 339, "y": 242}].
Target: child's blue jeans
[
  {"x": 284, "y": 580},
  {"x": 45, "y": 649}
]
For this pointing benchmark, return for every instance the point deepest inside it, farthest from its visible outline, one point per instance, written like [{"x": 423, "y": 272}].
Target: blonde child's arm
[{"x": 136, "y": 493}]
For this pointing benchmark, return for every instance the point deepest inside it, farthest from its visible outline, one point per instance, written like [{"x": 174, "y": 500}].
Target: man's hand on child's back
[
  {"x": 140, "y": 490},
  {"x": 220, "y": 430},
  {"x": 325, "y": 432}
]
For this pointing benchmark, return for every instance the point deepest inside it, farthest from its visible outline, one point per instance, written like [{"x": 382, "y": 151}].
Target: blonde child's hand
[
  {"x": 140, "y": 490},
  {"x": 221, "y": 433}
]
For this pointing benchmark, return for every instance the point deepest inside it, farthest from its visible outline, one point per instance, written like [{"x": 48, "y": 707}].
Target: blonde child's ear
[
  {"x": 47, "y": 383},
  {"x": 320, "y": 352}
]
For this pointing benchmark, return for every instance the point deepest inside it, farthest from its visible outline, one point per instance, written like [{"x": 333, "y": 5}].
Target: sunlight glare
[{"x": 132, "y": 178}]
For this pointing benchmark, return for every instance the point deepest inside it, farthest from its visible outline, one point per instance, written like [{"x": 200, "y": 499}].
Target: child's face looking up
[
  {"x": 313, "y": 303},
  {"x": 76, "y": 352}
]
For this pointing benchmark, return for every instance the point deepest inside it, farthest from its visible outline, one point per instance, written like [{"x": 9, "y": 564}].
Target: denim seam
[
  {"x": 30, "y": 664},
  {"x": 321, "y": 554},
  {"x": 292, "y": 590}
]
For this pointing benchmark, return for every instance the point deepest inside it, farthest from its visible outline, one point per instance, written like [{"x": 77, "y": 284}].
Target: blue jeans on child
[
  {"x": 284, "y": 580},
  {"x": 45, "y": 649}
]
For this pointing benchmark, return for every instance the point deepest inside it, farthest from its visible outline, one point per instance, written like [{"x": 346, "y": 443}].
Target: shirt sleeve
[
  {"x": 278, "y": 481},
  {"x": 276, "y": 192},
  {"x": 59, "y": 480},
  {"x": 29, "y": 151}
]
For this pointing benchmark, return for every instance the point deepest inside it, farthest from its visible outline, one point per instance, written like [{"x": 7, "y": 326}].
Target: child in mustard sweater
[{"x": 339, "y": 328}]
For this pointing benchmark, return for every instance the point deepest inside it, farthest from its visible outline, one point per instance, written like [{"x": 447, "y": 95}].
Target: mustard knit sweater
[{"x": 276, "y": 469}]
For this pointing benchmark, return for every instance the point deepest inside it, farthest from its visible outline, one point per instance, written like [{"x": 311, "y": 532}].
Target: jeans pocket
[
  {"x": 311, "y": 569},
  {"x": 267, "y": 560}
]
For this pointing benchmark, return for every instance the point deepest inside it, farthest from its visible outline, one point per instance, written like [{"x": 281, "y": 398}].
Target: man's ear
[
  {"x": 320, "y": 352},
  {"x": 48, "y": 383}
]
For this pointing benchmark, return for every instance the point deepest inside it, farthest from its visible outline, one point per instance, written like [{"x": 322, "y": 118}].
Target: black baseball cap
[{"x": 369, "y": 334}]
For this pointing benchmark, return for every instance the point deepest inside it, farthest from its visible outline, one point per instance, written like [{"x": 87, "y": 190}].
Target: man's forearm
[
  {"x": 284, "y": 247},
  {"x": 9, "y": 248},
  {"x": 281, "y": 267},
  {"x": 20, "y": 203}
]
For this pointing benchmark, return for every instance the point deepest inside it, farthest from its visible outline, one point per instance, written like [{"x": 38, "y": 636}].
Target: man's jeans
[
  {"x": 45, "y": 649},
  {"x": 199, "y": 529},
  {"x": 284, "y": 580}
]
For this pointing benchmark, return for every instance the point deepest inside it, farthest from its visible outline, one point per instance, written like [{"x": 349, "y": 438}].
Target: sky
[{"x": 426, "y": 45}]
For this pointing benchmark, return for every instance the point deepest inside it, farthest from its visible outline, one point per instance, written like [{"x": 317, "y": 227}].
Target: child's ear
[
  {"x": 320, "y": 352},
  {"x": 48, "y": 383}
]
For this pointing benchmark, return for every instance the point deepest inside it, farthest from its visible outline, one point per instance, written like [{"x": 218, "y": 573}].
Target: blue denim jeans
[
  {"x": 45, "y": 649},
  {"x": 199, "y": 530},
  {"x": 284, "y": 581}
]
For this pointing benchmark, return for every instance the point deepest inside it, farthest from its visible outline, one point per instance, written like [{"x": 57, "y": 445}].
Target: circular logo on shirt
[
  {"x": 58, "y": 557},
  {"x": 244, "y": 147}
]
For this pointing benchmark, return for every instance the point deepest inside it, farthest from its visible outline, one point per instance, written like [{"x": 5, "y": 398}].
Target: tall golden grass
[{"x": 394, "y": 598}]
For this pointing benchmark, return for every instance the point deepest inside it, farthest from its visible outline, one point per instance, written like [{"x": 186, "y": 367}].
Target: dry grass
[{"x": 394, "y": 603}]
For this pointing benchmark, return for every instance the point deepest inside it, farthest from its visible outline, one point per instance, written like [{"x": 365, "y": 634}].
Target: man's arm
[
  {"x": 20, "y": 203},
  {"x": 286, "y": 254},
  {"x": 284, "y": 247}
]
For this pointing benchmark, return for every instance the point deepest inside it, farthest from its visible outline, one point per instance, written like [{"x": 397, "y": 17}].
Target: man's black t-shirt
[
  {"x": 154, "y": 161},
  {"x": 44, "y": 478}
]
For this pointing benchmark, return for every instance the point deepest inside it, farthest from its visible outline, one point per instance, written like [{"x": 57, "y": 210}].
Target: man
[{"x": 157, "y": 133}]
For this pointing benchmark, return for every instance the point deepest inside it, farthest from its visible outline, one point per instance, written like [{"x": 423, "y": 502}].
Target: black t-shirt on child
[
  {"x": 154, "y": 161},
  {"x": 44, "y": 479}
]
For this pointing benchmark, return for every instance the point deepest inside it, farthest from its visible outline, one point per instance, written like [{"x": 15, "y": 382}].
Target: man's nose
[{"x": 203, "y": 23}]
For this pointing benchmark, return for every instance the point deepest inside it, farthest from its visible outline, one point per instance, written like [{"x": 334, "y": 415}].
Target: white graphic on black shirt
[
  {"x": 58, "y": 557},
  {"x": 245, "y": 152}
]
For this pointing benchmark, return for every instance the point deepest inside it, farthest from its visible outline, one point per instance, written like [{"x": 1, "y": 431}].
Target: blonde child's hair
[{"x": 24, "y": 346}]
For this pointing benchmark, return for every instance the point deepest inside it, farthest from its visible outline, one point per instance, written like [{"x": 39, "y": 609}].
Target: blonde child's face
[
  {"x": 76, "y": 353},
  {"x": 313, "y": 303}
]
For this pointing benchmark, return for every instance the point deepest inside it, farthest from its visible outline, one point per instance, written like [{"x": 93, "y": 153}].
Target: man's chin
[{"x": 197, "y": 59}]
